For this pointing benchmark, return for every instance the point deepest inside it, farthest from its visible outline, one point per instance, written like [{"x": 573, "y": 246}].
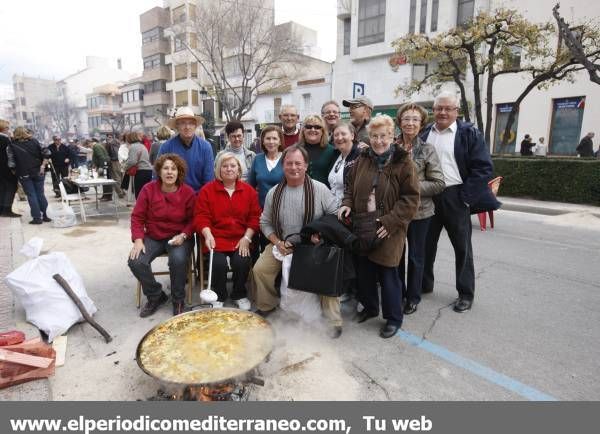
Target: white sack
[
  {"x": 47, "y": 305},
  {"x": 62, "y": 215},
  {"x": 304, "y": 304}
]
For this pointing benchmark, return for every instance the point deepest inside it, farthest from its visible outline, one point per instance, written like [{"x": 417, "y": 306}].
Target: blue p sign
[{"x": 358, "y": 90}]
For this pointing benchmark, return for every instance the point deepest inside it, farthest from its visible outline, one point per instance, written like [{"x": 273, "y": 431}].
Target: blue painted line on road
[{"x": 476, "y": 368}]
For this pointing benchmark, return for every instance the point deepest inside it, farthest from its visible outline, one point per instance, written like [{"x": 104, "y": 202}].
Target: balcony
[
  {"x": 155, "y": 47},
  {"x": 159, "y": 73},
  {"x": 156, "y": 98}
]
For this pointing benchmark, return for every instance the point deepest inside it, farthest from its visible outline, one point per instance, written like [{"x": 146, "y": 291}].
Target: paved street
[{"x": 533, "y": 332}]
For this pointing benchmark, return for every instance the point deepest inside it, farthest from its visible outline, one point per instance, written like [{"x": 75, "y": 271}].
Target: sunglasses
[{"x": 312, "y": 127}]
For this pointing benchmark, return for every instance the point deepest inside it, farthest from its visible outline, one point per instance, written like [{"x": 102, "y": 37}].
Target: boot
[{"x": 153, "y": 304}]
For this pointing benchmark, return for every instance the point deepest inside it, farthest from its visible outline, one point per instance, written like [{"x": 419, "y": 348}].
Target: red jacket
[
  {"x": 161, "y": 215},
  {"x": 227, "y": 217}
]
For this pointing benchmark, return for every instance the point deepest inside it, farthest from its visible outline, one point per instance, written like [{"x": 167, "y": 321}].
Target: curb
[{"x": 545, "y": 208}]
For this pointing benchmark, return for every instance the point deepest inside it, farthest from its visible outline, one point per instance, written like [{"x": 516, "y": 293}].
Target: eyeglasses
[
  {"x": 330, "y": 112},
  {"x": 236, "y": 136},
  {"x": 444, "y": 109},
  {"x": 377, "y": 137},
  {"x": 312, "y": 127},
  {"x": 355, "y": 106},
  {"x": 409, "y": 119}
]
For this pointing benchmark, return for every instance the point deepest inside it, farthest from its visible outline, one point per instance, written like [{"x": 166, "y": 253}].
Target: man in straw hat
[{"x": 196, "y": 151}]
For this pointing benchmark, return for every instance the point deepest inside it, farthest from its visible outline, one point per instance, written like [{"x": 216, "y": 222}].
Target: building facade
[
  {"x": 29, "y": 93},
  {"x": 104, "y": 113},
  {"x": 561, "y": 114}
]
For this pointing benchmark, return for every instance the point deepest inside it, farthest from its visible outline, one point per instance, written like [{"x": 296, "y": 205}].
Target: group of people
[{"x": 244, "y": 207}]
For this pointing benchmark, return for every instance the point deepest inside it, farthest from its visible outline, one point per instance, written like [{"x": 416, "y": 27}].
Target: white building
[
  {"x": 366, "y": 29},
  {"x": 29, "y": 93},
  {"x": 75, "y": 87}
]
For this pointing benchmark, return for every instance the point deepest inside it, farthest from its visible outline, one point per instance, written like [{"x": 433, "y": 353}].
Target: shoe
[
  {"x": 426, "y": 290},
  {"x": 462, "y": 305},
  {"x": 264, "y": 313},
  {"x": 11, "y": 214},
  {"x": 217, "y": 304},
  {"x": 178, "y": 307},
  {"x": 410, "y": 308},
  {"x": 364, "y": 316},
  {"x": 46, "y": 219},
  {"x": 335, "y": 332},
  {"x": 345, "y": 297},
  {"x": 242, "y": 303},
  {"x": 36, "y": 222},
  {"x": 153, "y": 304},
  {"x": 388, "y": 330}
]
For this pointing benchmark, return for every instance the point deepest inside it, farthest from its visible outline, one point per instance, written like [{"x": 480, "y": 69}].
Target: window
[
  {"x": 179, "y": 42},
  {"x": 465, "y": 11},
  {"x": 565, "y": 132},
  {"x": 133, "y": 95},
  {"x": 194, "y": 70},
  {"x": 419, "y": 71},
  {"x": 347, "y": 36},
  {"x": 306, "y": 102},
  {"x": 155, "y": 86},
  {"x": 411, "y": 16},
  {"x": 181, "y": 71},
  {"x": 236, "y": 65},
  {"x": 233, "y": 99},
  {"x": 194, "y": 97},
  {"x": 179, "y": 15},
  {"x": 423, "y": 18},
  {"x": 193, "y": 40},
  {"x": 155, "y": 111},
  {"x": 133, "y": 118},
  {"x": 21, "y": 86},
  {"x": 513, "y": 60},
  {"x": 23, "y": 101},
  {"x": 152, "y": 35},
  {"x": 371, "y": 22},
  {"x": 181, "y": 98},
  {"x": 434, "y": 14},
  {"x": 94, "y": 122},
  {"x": 153, "y": 61},
  {"x": 502, "y": 113}
]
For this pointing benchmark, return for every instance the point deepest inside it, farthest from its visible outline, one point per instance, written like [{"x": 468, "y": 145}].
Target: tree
[
  {"x": 485, "y": 48},
  {"x": 575, "y": 40},
  {"x": 240, "y": 51},
  {"x": 61, "y": 112}
]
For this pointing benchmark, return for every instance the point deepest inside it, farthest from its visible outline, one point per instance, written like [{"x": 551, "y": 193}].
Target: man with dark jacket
[
  {"x": 360, "y": 115},
  {"x": 467, "y": 168},
  {"x": 8, "y": 179},
  {"x": 586, "y": 146},
  {"x": 61, "y": 157},
  {"x": 114, "y": 168}
]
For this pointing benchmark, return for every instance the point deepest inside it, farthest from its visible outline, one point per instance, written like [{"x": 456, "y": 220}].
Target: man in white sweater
[{"x": 290, "y": 205}]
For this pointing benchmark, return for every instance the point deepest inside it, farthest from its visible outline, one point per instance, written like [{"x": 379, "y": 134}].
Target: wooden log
[
  {"x": 65, "y": 285},
  {"x": 24, "y": 359}
]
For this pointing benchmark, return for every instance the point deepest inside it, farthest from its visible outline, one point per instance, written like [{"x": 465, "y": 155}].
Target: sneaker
[
  {"x": 242, "y": 303},
  {"x": 153, "y": 304},
  {"x": 217, "y": 304},
  {"x": 36, "y": 222}
]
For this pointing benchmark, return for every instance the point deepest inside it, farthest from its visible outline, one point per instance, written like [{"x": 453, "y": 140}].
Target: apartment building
[
  {"x": 366, "y": 29},
  {"x": 157, "y": 101},
  {"x": 132, "y": 105},
  {"x": 104, "y": 110},
  {"x": 29, "y": 92}
]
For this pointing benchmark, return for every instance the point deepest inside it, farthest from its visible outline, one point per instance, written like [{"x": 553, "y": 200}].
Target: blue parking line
[{"x": 475, "y": 368}]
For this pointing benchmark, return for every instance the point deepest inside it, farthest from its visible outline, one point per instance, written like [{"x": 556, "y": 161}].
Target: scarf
[{"x": 309, "y": 203}]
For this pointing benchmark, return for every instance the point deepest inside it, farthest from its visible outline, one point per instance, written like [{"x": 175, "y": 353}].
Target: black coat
[{"x": 5, "y": 171}]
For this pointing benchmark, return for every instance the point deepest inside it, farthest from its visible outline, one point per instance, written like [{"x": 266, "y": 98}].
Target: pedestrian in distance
[
  {"x": 586, "y": 146},
  {"x": 526, "y": 146},
  {"x": 8, "y": 178},
  {"x": 137, "y": 166}
]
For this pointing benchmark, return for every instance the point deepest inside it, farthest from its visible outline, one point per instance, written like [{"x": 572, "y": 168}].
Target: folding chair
[{"x": 494, "y": 185}]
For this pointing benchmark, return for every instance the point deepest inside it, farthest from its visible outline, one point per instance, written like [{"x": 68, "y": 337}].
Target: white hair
[
  {"x": 288, "y": 106},
  {"x": 446, "y": 95}
]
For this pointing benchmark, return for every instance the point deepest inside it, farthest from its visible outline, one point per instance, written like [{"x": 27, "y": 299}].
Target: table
[{"x": 95, "y": 183}]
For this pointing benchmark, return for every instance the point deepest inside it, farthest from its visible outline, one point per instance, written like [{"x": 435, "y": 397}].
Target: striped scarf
[{"x": 309, "y": 203}]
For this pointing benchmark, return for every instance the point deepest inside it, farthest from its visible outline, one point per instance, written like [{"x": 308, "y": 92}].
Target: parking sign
[{"x": 358, "y": 90}]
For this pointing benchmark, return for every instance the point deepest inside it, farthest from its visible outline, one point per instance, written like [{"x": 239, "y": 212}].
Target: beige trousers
[{"x": 264, "y": 273}]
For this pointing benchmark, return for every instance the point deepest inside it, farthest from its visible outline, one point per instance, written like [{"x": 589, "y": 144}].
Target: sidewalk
[
  {"x": 545, "y": 208},
  {"x": 11, "y": 235}
]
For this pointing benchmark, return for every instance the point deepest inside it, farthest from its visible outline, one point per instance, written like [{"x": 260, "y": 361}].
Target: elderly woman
[
  {"x": 227, "y": 215},
  {"x": 267, "y": 170},
  {"x": 382, "y": 182},
  {"x": 411, "y": 118},
  {"x": 321, "y": 154},
  {"x": 138, "y": 162},
  {"x": 163, "y": 134},
  {"x": 162, "y": 221},
  {"x": 343, "y": 139},
  {"x": 27, "y": 157},
  {"x": 235, "y": 137}
]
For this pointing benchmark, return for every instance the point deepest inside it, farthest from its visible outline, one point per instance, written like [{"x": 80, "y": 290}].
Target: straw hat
[{"x": 184, "y": 113}]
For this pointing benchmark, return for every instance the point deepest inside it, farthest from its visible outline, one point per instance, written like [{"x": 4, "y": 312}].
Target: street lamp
[{"x": 203, "y": 93}]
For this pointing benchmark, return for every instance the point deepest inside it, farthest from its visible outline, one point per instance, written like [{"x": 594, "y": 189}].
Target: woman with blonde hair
[
  {"x": 138, "y": 165},
  {"x": 27, "y": 157},
  {"x": 321, "y": 154},
  {"x": 227, "y": 215}
]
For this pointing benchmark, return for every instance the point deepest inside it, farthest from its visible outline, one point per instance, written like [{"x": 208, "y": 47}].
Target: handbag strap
[{"x": 374, "y": 185}]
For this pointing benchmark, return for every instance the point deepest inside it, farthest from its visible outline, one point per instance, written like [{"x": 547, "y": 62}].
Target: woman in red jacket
[
  {"x": 227, "y": 214},
  {"x": 162, "y": 221}
]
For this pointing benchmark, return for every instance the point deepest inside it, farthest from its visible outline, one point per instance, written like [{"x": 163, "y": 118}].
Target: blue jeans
[
  {"x": 33, "y": 185},
  {"x": 416, "y": 237},
  {"x": 178, "y": 264}
]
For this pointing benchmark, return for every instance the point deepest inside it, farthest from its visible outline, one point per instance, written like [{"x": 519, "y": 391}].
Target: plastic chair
[
  {"x": 190, "y": 280},
  {"x": 494, "y": 185}
]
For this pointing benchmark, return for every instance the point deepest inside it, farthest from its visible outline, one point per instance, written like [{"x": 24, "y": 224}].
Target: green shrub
[{"x": 574, "y": 180}]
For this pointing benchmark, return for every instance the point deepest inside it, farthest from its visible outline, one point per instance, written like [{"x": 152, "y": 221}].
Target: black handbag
[{"x": 318, "y": 269}]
